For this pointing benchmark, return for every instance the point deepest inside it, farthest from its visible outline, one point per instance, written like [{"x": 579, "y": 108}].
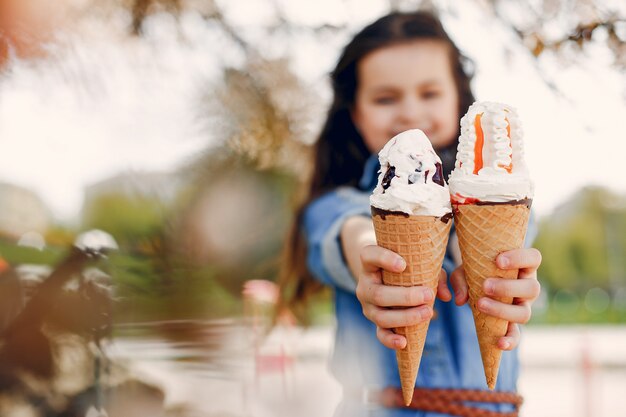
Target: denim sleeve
[
  {"x": 532, "y": 231},
  {"x": 323, "y": 219}
]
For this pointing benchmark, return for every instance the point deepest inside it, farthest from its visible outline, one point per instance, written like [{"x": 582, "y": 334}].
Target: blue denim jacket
[{"x": 451, "y": 357}]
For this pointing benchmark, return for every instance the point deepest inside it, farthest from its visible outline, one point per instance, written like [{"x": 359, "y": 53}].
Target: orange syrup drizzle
[{"x": 478, "y": 146}]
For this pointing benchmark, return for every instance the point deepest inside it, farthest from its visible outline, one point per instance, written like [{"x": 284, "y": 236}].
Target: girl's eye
[
  {"x": 430, "y": 94},
  {"x": 384, "y": 100}
]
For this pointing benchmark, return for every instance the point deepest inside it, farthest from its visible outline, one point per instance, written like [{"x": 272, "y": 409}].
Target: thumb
[{"x": 459, "y": 286}]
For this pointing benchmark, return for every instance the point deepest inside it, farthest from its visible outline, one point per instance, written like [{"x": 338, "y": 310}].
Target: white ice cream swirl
[
  {"x": 490, "y": 157},
  {"x": 410, "y": 179}
]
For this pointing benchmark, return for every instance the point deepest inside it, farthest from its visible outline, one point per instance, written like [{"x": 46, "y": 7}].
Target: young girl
[{"x": 400, "y": 72}]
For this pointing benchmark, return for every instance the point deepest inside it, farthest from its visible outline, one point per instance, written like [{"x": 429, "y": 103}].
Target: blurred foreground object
[
  {"x": 51, "y": 357},
  {"x": 25, "y": 346},
  {"x": 96, "y": 241},
  {"x": 25, "y": 25}
]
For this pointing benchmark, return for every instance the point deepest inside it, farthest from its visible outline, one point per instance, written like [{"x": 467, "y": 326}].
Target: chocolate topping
[
  {"x": 438, "y": 177},
  {"x": 386, "y": 183},
  {"x": 384, "y": 213},
  {"x": 526, "y": 202}
]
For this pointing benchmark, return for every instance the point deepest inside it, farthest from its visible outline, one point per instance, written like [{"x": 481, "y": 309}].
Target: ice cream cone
[
  {"x": 484, "y": 231},
  {"x": 421, "y": 241}
]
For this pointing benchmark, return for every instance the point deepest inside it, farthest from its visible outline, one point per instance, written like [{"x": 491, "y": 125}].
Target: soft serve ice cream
[
  {"x": 490, "y": 163},
  {"x": 411, "y": 177},
  {"x": 491, "y": 194},
  {"x": 412, "y": 215}
]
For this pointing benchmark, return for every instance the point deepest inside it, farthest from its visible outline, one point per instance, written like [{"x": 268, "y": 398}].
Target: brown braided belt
[{"x": 447, "y": 401}]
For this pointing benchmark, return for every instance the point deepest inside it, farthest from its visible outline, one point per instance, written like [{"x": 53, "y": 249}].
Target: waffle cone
[
  {"x": 421, "y": 241},
  {"x": 484, "y": 231}
]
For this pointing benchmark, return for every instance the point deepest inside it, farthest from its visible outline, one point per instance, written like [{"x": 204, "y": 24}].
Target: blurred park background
[{"x": 183, "y": 129}]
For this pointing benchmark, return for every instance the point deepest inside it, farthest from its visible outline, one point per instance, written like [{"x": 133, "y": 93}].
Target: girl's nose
[{"x": 411, "y": 112}]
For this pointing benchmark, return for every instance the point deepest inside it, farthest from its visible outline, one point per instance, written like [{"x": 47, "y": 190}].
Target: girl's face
[{"x": 406, "y": 86}]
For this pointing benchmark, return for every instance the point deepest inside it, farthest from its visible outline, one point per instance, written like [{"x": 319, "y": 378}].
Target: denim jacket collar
[{"x": 370, "y": 173}]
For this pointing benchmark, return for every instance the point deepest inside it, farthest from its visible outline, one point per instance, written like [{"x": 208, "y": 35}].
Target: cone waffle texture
[
  {"x": 484, "y": 231},
  {"x": 421, "y": 241}
]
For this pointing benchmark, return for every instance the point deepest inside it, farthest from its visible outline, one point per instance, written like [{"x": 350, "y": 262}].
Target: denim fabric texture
[{"x": 451, "y": 356}]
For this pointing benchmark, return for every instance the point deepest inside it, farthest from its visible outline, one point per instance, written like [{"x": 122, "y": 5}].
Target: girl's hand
[
  {"x": 378, "y": 300},
  {"x": 523, "y": 290}
]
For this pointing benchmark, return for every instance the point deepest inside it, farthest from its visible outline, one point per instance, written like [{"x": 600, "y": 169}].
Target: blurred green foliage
[
  {"x": 578, "y": 240},
  {"x": 165, "y": 269},
  {"x": 145, "y": 290},
  {"x": 16, "y": 255},
  {"x": 583, "y": 243},
  {"x": 129, "y": 219}
]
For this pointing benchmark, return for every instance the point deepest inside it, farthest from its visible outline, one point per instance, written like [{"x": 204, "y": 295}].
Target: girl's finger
[
  {"x": 511, "y": 339},
  {"x": 443, "y": 292},
  {"x": 390, "y": 339},
  {"x": 459, "y": 286},
  {"x": 392, "y": 296},
  {"x": 375, "y": 257},
  {"x": 527, "y": 273},
  {"x": 524, "y": 259},
  {"x": 400, "y": 317},
  {"x": 527, "y": 289},
  {"x": 367, "y": 282},
  {"x": 516, "y": 313}
]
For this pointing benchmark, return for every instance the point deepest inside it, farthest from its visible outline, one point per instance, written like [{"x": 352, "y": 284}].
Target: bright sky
[{"x": 109, "y": 103}]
